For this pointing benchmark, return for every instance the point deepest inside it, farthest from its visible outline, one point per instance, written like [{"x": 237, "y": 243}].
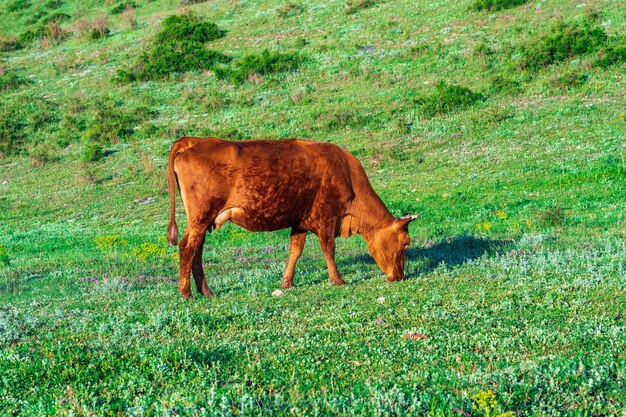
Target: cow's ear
[{"x": 403, "y": 222}]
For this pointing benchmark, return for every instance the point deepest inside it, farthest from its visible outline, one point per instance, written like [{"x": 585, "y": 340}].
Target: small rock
[
  {"x": 278, "y": 293},
  {"x": 416, "y": 336},
  {"x": 381, "y": 300}
]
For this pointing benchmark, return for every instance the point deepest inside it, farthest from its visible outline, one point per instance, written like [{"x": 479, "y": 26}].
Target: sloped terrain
[{"x": 502, "y": 121}]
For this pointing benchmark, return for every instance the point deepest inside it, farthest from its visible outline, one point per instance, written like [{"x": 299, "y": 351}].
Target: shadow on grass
[{"x": 453, "y": 251}]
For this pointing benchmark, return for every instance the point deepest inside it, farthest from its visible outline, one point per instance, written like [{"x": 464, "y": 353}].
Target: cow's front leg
[
  {"x": 327, "y": 242},
  {"x": 296, "y": 244}
]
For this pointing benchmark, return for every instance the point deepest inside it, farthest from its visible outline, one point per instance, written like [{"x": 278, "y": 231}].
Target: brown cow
[{"x": 264, "y": 185}]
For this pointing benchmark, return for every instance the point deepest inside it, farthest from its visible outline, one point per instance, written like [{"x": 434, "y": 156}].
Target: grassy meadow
[{"x": 503, "y": 121}]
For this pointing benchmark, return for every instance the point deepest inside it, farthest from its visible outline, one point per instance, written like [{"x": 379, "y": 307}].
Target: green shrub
[
  {"x": 447, "y": 99},
  {"x": 500, "y": 83},
  {"x": 569, "y": 79},
  {"x": 110, "y": 123},
  {"x": 179, "y": 47},
  {"x": 613, "y": 53},
  {"x": 190, "y": 2},
  {"x": 12, "y": 133},
  {"x": 354, "y": 6},
  {"x": 9, "y": 80},
  {"x": 551, "y": 217},
  {"x": 29, "y": 36},
  {"x": 17, "y": 5},
  {"x": 187, "y": 28},
  {"x": 91, "y": 151},
  {"x": 290, "y": 9},
  {"x": 9, "y": 43},
  {"x": 495, "y": 5},
  {"x": 264, "y": 63},
  {"x": 95, "y": 33},
  {"x": 566, "y": 40},
  {"x": 43, "y": 153},
  {"x": 120, "y": 7}
]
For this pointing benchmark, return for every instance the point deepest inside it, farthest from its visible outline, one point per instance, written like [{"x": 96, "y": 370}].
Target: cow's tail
[{"x": 179, "y": 146}]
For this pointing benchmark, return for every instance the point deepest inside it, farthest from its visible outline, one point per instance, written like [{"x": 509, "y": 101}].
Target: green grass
[{"x": 516, "y": 273}]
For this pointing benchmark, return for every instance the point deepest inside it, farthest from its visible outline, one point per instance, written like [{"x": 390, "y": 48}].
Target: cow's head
[{"x": 388, "y": 246}]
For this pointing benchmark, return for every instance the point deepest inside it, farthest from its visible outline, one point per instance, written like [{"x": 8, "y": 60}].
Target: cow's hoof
[
  {"x": 208, "y": 293},
  {"x": 338, "y": 282},
  {"x": 286, "y": 284},
  {"x": 186, "y": 295}
]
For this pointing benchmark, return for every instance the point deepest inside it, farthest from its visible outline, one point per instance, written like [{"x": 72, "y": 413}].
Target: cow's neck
[{"x": 371, "y": 213}]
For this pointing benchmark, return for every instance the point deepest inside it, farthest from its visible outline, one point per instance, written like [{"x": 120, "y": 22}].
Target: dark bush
[
  {"x": 566, "y": 40},
  {"x": 91, "y": 151},
  {"x": 187, "y": 28},
  {"x": 17, "y": 5},
  {"x": 120, "y": 7},
  {"x": 179, "y": 47},
  {"x": 9, "y": 80},
  {"x": 264, "y": 63},
  {"x": 190, "y": 2},
  {"x": 495, "y": 5},
  {"x": 447, "y": 99},
  {"x": 613, "y": 53},
  {"x": 96, "y": 33},
  {"x": 11, "y": 131}
]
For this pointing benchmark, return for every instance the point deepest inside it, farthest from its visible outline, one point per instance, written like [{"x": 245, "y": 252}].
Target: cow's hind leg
[
  {"x": 296, "y": 244},
  {"x": 198, "y": 272},
  {"x": 327, "y": 242},
  {"x": 188, "y": 247}
]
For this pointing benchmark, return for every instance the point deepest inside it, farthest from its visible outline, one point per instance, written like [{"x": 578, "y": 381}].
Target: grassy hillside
[{"x": 503, "y": 121}]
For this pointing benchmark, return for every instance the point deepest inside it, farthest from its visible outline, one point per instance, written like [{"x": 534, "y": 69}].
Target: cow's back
[{"x": 272, "y": 184}]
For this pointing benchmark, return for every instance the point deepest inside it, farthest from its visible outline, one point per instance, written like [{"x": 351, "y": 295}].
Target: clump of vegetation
[
  {"x": 120, "y": 7},
  {"x": 290, "y": 9},
  {"x": 9, "y": 43},
  {"x": 10, "y": 80},
  {"x": 496, "y": 5},
  {"x": 613, "y": 53},
  {"x": 566, "y": 40},
  {"x": 447, "y": 99},
  {"x": 17, "y": 5},
  {"x": 4, "y": 255},
  {"x": 261, "y": 64},
  {"x": 11, "y": 131},
  {"x": 110, "y": 124},
  {"x": 500, "y": 83},
  {"x": 551, "y": 216},
  {"x": 569, "y": 79},
  {"x": 51, "y": 31},
  {"x": 94, "y": 29},
  {"x": 344, "y": 119},
  {"x": 190, "y": 2},
  {"x": 179, "y": 47},
  {"x": 354, "y": 6}
]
